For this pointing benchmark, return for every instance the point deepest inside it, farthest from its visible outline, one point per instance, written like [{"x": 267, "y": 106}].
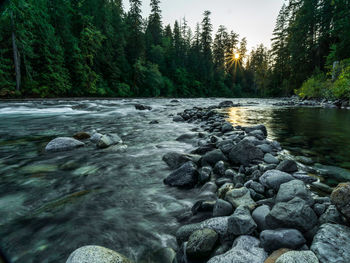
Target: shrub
[{"x": 341, "y": 87}]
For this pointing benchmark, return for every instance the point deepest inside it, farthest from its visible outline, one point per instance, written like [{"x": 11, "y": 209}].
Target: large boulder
[
  {"x": 201, "y": 243},
  {"x": 63, "y": 144},
  {"x": 331, "y": 244},
  {"x": 245, "y": 250},
  {"x": 218, "y": 224},
  {"x": 212, "y": 157},
  {"x": 288, "y": 166},
  {"x": 259, "y": 215},
  {"x": 240, "y": 196},
  {"x": 340, "y": 197},
  {"x": 186, "y": 176},
  {"x": 245, "y": 152},
  {"x": 94, "y": 254},
  {"x": 108, "y": 140},
  {"x": 270, "y": 159},
  {"x": 241, "y": 222},
  {"x": 274, "y": 178},
  {"x": 298, "y": 257},
  {"x": 294, "y": 188},
  {"x": 272, "y": 240},
  {"x": 174, "y": 160},
  {"x": 292, "y": 214}
]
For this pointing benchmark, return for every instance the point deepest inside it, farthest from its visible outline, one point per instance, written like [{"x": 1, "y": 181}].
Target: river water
[{"x": 51, "y": 204}]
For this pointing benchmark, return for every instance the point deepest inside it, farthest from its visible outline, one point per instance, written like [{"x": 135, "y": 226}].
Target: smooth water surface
[{"x": 51, "y": 204}]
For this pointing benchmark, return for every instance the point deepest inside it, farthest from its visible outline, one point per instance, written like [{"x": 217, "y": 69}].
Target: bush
[
  {"x": 341, "y": 87},
  {"x": 314, "y": 87}
]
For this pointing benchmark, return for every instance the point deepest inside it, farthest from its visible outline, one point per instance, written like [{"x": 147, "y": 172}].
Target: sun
[{"x": 236, "y": 56}]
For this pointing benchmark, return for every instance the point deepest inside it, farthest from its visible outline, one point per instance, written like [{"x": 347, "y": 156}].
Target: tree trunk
[{"x": 16, "y": 57}]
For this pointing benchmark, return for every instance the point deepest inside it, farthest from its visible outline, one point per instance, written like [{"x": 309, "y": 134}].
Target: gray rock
[
  {"x": 222, "y": 208},
  {"x": 340, "y": 197},
  {"x": 331, "y": 215},
  {"x": 226, "y": 127},
  {"x": 322, "y": 187},
  {"x": 226, "y": 104},
  {"x": 270, "y": 159},
  {"x": 240, "y": 196},
  {"x": 142, "y": 107},
  {"x": 63, "y": 144},
  {"x": 219, "y": 168},
  {"x": 319, "y": 209},
  {"x": 298, "y": 257},
  {"x": 292, "y": 214},
  {"x": 201, "y": 243},
  {"x": 212, "y": 157},
  {"x": 288, "y": 166},
  {"x": 204, "y": 174},
  {"x": 94, "y": 254},
  {"x": 178, "y": 118},
  {"x": 96, "y": 137},
  {"x": 331, "y": 244},
  {"x": 108, "y": 140},
  {"x": 257, "y": 187},
  {"x": 209, "y": 187},
  {"x": 230, "y": 173},
  {"x": 245, "y": 250},
  {"x": 225, "y": 146},
  {"x": 218, "y": 224},
  {"x": 274, "y": 178},
  {"x": 257, "y": 127},
  {"x": 266, "y": 148},
  {"x": 186, "y": 176},
  {"x": 272, "y": 240},
  {"x": 224, "y": 189},
  {"x": 341, "y": 174},
  {"x": 187, "y": 137},
  {"x": 162, "y": 255},
  {"x": 302, "y": 176},
  {"x": 174, "y": 160},
  {"x": 294, "y": 188},
  {"x": 304, "y": 160},
  {"x": 259, "y": 215},
  {"x": 245, "y": 152},
  {"x": 223, "y": 180},
  {"x": 241, "y": 222}
]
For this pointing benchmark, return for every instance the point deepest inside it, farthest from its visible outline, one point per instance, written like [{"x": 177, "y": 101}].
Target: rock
[
  {"x": 63, "y": 144},
  {"x": 201, "y": 243},
  {"x": 226, "y": 104},
  {"x": 241, "y": 222},
  {"x": 288, "y": 166},
  {"x": 81, "y": 136},
  {"x": 204, "y": 174},
  {"x": 266, "y": 148},
  {"x": 186, "y": 176},
  {"x": 319, "y": 209},
  {"x": 245, "y": 152},
  {"x": 162, "y": 255},
  {"x": 331, "y": 244},
  {"x": 154, "y": 122},
  {"x": 174, "y": 160},
  {"x": 292, "y": 214},
  {"x": 212, "y": 157},
  {"x": 294, "y": 188},
  {"x": 225, "y": 146},
  {"x": 218, "y": 224},
  {"x": 187, "y": 137},
  {"x": 259, "y": 215},
  {"x": 322, "y": 187},
  {"x": 219, "y": 168},
  {"x": 245, "y": 250},
  {"x": 340, "y": 197},
  {"x": 257, "y": 127},
  {"x": 222, "y": 208},
  {"x": 275, "y": 255},
  {"x": 174, "y": 101},
  {"x": 108, "y": 140},
  {"x": 274, "y": 178},
  {"x": 224, "y": 189},
  {"x": 298, "y": 257},
  {"x": 240, "y": 196},
  {"x": 178, "y": 118},
  {"x": 340, "y": 174},
  {"x": 304, "y": 160},
  {"x": 270, "y": 159},
  {"x": 226, "y": 127},
  {"x": 94, "y": 254},
  {"x": 142, "y": 107},
  {"x": 272, "y": 240},
  {"x": 257, "y": 187},
  {"x": 331, "y": 215},
  {"x": 302, "y": 176},
  {"x": 96, "y": 137}
]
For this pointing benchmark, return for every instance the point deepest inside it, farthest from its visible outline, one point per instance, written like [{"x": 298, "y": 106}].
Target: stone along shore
[{"x": 253, "y": 206}]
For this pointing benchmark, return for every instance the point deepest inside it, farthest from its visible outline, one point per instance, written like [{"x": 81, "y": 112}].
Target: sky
[{"x": 253, "y": 19}]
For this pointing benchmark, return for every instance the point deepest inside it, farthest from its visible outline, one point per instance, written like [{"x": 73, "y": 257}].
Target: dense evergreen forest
[{"x": 51, "y": 48}]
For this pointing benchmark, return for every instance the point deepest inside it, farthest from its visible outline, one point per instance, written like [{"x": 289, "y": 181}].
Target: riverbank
[{"x": 254, "y": 203}]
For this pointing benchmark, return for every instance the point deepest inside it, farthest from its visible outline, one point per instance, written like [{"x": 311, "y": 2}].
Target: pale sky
[{"x": 253, "y": 19}]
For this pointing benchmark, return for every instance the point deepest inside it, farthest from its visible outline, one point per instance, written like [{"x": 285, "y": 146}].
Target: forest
[{"x": 95, "y": 48}]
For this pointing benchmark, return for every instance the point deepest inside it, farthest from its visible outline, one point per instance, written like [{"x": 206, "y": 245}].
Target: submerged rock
[
  {"x": 63, "y": 144},
  {"x": 81, "y": 136},
  {"x": 342, "y": 175},
  {"x": 245, "y": 250},
  {"x": 331, "y": 244},
  {"x": 94, "y": 254},
  {"x": 142, "y": 107},
  {"x": 186, "y": 176}
]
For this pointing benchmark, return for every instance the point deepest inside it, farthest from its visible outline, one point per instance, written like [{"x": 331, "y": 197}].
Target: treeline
[{"x": 51, "y": 48}]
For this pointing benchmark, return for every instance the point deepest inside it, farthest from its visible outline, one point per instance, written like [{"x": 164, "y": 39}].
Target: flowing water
[{"x": 51, "y": 204}]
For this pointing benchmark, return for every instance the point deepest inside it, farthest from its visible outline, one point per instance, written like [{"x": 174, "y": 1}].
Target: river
[{"x": 51, "y": 204}]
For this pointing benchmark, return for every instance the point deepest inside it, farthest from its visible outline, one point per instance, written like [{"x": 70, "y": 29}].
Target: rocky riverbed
[{"x": 247, "y": 199}]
